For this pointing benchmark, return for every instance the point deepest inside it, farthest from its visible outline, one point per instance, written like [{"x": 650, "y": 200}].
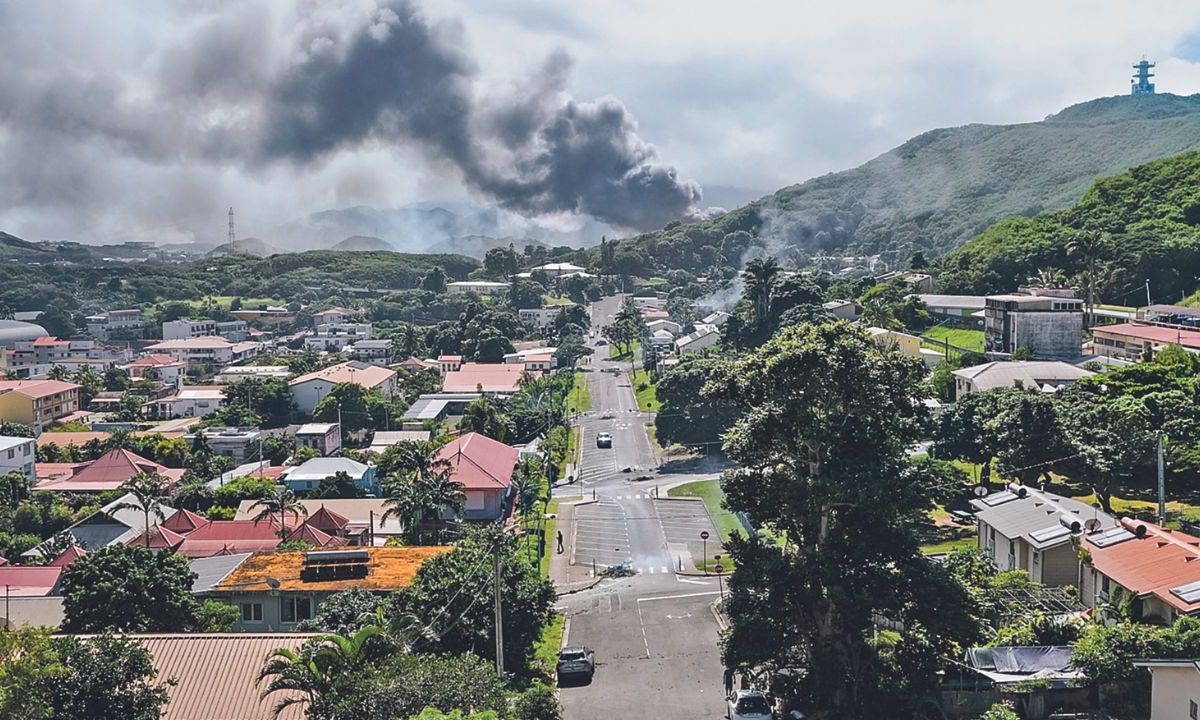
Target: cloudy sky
[{"x": 145, "y": 121}]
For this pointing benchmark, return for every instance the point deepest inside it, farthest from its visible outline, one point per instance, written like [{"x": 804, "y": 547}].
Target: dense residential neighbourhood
[{"x": 529, "y": 425}]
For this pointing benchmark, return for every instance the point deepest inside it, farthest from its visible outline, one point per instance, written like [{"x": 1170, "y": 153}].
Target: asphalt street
[{"x": 654, "y": 633}]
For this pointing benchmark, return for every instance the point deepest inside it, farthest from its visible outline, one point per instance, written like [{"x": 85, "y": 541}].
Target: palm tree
[
  {"x": 280, "y": 500},
  {"x": 148, "y": 489},
  {"x": 760, "y": 275},
  {"x": 314, "y": 669},
  {"x": 527, "y": 482},
  {"x": 56, "y": 545},
  {"x": 443, "y": 493},
  {"x": 1091, "y": 247},
  {"x": 418, "y": 483}
]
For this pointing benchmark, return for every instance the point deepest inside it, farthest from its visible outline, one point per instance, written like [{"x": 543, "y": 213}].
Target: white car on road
[{"x": 748, "y": 705}]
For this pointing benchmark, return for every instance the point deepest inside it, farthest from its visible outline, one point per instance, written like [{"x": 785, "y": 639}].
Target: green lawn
[
  {"x": 945, "y": 546},
  {"x": 710, "y": 492},
  {"x": 580, "y": 397},
  {"x": 545, "y": 651},
  {"x": 550, "y": 528},
  {"x": 647, "y": 397},
  {"x": 969, "y": 339},
  {"x": 552, "y": 300},
  {"x": 615, "y": 354}
]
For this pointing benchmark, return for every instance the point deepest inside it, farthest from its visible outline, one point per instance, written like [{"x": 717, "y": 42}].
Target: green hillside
[
  {"x": 1148, "y": 222},
  {"x": 943, "y": 187}
]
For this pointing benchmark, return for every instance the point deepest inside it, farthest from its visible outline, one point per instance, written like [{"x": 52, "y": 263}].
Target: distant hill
[
  {"x": 13, "y": 248},
  {"x": 1148, "y": 217},
  {"x": 943, "y": 187},
  {"x": 363, "y": 243},
  {"x": 245, "y": 246}
]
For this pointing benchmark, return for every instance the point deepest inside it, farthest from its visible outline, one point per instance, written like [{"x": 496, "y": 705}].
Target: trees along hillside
[{"x": 827, "y": 418}]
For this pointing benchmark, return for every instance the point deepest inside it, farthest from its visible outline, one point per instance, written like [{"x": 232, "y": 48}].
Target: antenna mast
[
  {"x": 1140, "y": 84},
  {"x": 232, "y": 235}
]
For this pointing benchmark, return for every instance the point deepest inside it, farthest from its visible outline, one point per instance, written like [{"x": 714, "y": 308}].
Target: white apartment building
[
  {"x": 206, "y": 350},
  {"x": 337, "y": 337},
  {"x": 123, "y": 323},
  {"x": 540, "y": 317},
  {"x": 18, "y": 454},
  {"x": 187, "y": 328}
]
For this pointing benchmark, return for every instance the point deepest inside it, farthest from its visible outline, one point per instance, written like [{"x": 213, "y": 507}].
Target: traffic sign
[
  {"x": 703, "y": 534},
  {"x": 720, "y": 567}
]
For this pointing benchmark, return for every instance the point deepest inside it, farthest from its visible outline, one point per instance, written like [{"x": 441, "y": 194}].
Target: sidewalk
[{"x": 568, "y": 578}]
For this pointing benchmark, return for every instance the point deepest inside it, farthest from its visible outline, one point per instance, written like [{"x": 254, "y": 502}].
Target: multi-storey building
[
  {"x": 1050, "y": 325},
  {"x": 37, "y": 402},
  {"x": 123, "y": 324},
  {"x": 187, "y": 328}
]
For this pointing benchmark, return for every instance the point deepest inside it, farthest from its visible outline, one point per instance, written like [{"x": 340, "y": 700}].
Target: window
[
  {"x": 251, "y": 612},
  {"x": 12, "y": 454},
  {"x": 1192, "y": 709},
  {"x": 293, "y": 609}
]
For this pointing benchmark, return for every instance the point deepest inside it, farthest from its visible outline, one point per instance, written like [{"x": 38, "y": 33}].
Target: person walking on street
[{"x": 560, "y": 543}]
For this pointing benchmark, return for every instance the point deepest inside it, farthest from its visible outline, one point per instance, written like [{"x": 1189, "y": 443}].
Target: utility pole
[
  {"x": 1162, "y": 485},
  {"x": 499, "y": 616}
]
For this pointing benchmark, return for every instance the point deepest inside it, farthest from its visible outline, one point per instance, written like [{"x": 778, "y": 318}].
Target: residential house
[
  {"x": 954, "y": 305},
  {"x": 235, "y": 442},
  {"x": 662, "y": 338},
  {"x": 332, "y": 316},
  {"x": 189, "y": 401},
  {"x": 438, "y": 406},
  {"x": 37, "y": 403},
  {"x": 1135, "y": 341},
  {"x": 234, "y": 331},
  {"x": 670, "y": 326},
  {"x": 539, "y": 317},
  {"x": 106, "y": 473},
  {"x": 117, "y": 522},
  {"x": 308, "y": 389},
  {"x": 907, "y": 345},
  {"x": 561, "y": 269},
  {"x": 215, "y": 676},
  {"x": 449, "y": 363},
  {"x": 1026, "y": 529},
  {"x": 703, "y": 337},
  {"x": 274, "y": 591},
  {"x": 480, "y": 287},
  {"x": 539, "y": 363},
  {"x": 526, "y": 355},
  {"x": 33, "y": 358},
  {"x": 325, "y": 438},
  {"x": 842, "y": 309},
  {"x": 233, "y": 373},
  {"x": 212, "y": 570},
  {"x": 360, "y": 520},
  {"x": 651, "y": 314},
  {"x": 156, "y": 367},
  {"x": 122, "y": 324},
  {"x": 30, "y": 581},
  {"x": 1174, "y": 688},
  {"x": 484, "y": 377},
  {"x": 414, "y": 364},
  {"x": 384, "y": 439},
  {"x": 18, "y": 455},
  {"x": 1049, "y": 324},
  {"x": 337, "y": 337},
  {"x": 1158, "y": 568},
  {"x": 916, "y": 281},
  {"x": 206, "y": 350},
  {"x": 224, "y": 537},
  {"x": 308, "y": 476},
  {"x": 716, "y": 318},
  {"x": 1044, "y": 375},
  {"x": 484, "y": 467},
  {"x": 375, "y": 352}
]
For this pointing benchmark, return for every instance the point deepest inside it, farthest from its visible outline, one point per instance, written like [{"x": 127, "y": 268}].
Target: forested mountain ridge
[
  {"x": 1143, "y": 224},
  {"x": 943, "y": 187}
]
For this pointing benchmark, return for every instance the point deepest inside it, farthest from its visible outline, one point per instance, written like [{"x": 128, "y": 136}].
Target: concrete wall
[
  {"x": 493, "y": 502},
  {"x": 1048, "y": 334},
  {"x": 1175, "y": 689}
]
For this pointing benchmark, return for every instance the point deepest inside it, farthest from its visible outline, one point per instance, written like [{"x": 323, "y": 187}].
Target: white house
[
  {"x": 189, "y": 401},
  {"x": 18, "y": 454},
  {"x": 669, "y": 325},
  {"x": 336, "y": 337},
  {"x": 186, "y": 328},
  {"x": 556, "y": 270},
  {"x": 1045, "y": 375},
  {"x": 233, "y": 373},
  {"x": 325, "y": 438},
  {"x": 1175, "y": 688},
  {"x": 332, "y": 316},
  {"x": 206, "y": 350},
  {"x": 540, "y": 317},
  {"x": 702, "y": 337},
  {"x": 309, "y": 389},
  {"x": 481, "y": 287},
  {"x": 157, "y": 366},
  {"x": 662, "y": 338}
]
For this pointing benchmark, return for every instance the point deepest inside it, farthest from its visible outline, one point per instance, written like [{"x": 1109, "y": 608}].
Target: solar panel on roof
[
  {"x": 1189, "y": 593},
  {"x": 1050, "y": 533},
  {"x": 998, "y": 499},
  {"x": 1111, "y": 537}
]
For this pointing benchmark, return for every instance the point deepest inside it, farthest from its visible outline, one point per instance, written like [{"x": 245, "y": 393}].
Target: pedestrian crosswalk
[
  {"x": 638, "y": 496},
  {"x": 661, "y": 570}
]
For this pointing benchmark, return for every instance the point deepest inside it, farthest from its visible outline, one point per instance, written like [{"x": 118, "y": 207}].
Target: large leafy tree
[
  {"x": 827, "y": 418},
  {"x": 28, "y": 668},
  {"x": 687, "y": 414},
  {"x": 270, "y": 399},
  {"x": 125, "y": 588},
  {"x": 107, "y": 678},
  {"x": 452, "y": 593},
  {"x": 482, "y": 416}
]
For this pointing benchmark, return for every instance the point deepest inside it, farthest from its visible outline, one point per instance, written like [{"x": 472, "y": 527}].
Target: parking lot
[
  {"x": 683, "y": 521},
  {"x": 601, "y": 534}
]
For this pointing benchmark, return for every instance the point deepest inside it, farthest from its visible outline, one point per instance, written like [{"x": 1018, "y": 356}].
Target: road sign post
[{"x": 704, "y": 552}]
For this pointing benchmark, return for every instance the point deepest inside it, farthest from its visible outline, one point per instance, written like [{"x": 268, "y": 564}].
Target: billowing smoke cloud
[{"x": 251, "y": 89}]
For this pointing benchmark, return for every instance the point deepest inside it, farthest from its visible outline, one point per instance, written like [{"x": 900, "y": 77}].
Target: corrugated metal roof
[
  {"x": 1153, "y": 564},
  {"x": 212, "y": 570},
  {"x": 1031, "y": 516},
  {"x": 216, "y": 675},
  {"x": 387, "y": 569}
]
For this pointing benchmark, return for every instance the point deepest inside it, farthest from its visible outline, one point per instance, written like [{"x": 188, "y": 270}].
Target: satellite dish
[
  {"x": 1092, "y": 525},
  {"x": 273, "y": 583},
  {"x": 981, "y": 491}
]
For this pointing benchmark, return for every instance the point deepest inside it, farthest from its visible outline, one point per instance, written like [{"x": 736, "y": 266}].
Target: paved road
[{"x": 654, "y": 633}]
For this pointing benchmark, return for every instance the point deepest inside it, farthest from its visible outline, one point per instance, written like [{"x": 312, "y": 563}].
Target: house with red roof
[
  {"x": 108, "y": 472},
  {"x": 1159, "y": 568},
  {"x": 30, "y": 581},
  {"x": 156, "y": 366},
  {"x": 484, "y": 467},
  {"x": 195, "y": 537},
  {"x": 308, "y": 389},
  {"x": 484, "y": 377}
]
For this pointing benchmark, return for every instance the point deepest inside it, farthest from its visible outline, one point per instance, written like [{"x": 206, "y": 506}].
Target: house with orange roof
[
  {"x": 156, "y": 366},
  {"x": 484, "y": 468},
  {"x": 276, "y": 590},
  {"x": 108, "y": 472},
  {"x": 308, "y": 389},
  {"x": 37, "y": 402},
  {"x": 485, "y": 377},
  {"x": 1159, "y": 568}
]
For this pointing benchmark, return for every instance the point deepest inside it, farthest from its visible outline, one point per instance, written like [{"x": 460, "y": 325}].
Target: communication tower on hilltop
[
  {"x": 1140, "y": 84},
  {"x": 232, "y": 235}
]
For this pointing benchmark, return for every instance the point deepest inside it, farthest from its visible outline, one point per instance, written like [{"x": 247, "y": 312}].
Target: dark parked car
[{"x": 579, "y": 662}]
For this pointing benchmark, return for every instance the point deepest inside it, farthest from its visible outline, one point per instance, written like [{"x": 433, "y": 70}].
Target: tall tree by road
[
  {"x": 827, "y": 418},
  {"x": 760, "y": 275},
  {"x": 1091, "y": 247}
]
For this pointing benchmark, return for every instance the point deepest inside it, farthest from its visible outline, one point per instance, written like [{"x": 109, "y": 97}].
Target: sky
[{"x": 146, "y": 121}]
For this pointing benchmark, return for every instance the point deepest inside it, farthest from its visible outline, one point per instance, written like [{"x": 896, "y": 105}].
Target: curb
[
  {"x": 588, "y": 585},
  {"x": 717, "y": 615}
]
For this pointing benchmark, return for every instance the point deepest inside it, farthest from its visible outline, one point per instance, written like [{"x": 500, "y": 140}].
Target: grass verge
[
  {"x": 545, "y": 651},
  {"x": 550, "y": 528},
  {"x": 963, "y": 338},
  {"x": 647, "y": 397},
  {"x": 726, "y": 522},
  {"x": 580, "y": 397}
]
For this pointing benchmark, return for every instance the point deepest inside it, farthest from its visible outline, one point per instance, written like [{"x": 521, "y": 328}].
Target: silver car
[
  {"x": 748, "y": 705},
  {"x": 577, "y": 662}
]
